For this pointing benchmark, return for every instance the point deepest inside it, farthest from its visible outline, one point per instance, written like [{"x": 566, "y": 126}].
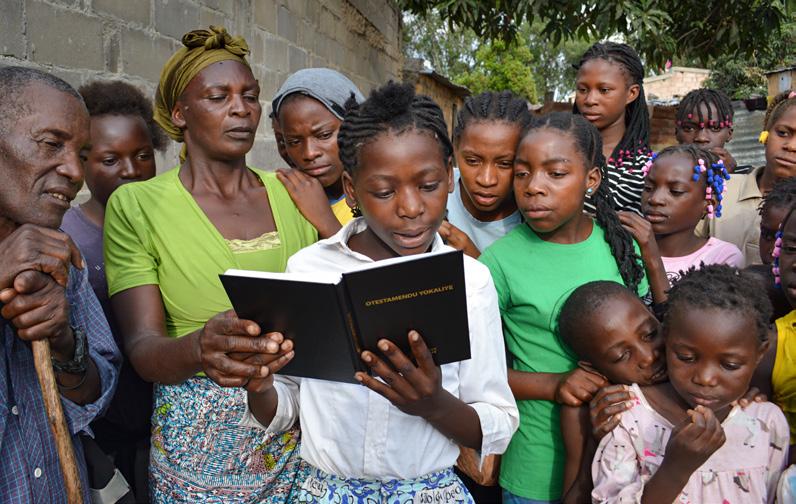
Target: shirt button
[
  {"x": 15, "y": 410},
  {"x": 37, "y": 472}
]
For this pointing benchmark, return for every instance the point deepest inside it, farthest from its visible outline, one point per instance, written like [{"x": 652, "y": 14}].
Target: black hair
[
  {"x": 637, "y": 118},
  {"x": 14, "y": 80},
  {"x": 765, "y": 278},
  {"x": 579, "y": 309},
  {"x": 121, "y": 98},
  {"x": 779, "y": 104},
  {"x": 504, "y": 106},
  {"x": 391, "y": 108},
  {"x": 589, "y": 143},
  {"x": 689, "y": 108},
  {"x": 718, "y": 286},
  {"x": 782, "y": 195}
]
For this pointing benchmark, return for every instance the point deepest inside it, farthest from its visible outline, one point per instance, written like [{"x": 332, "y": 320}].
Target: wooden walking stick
[{"x": 57, "y": 421}]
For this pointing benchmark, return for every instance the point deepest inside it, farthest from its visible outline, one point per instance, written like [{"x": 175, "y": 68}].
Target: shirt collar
[
  {"x": 357, "y": 225},
  {"x": 749, "y": 187}
]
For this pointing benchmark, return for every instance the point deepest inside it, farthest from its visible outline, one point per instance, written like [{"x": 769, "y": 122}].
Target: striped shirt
[
  {"x": 29, "y": 470},
  {"x": 626, "y": 183}
]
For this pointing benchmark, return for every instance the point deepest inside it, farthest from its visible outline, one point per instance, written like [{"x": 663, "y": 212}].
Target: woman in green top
[
  {"x": 166, "y": 241},
  {"x": 535, "y": 267}
]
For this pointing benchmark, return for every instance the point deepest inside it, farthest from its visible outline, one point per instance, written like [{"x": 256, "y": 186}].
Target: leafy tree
[
  {"x": 658, "y": 29},
  {"x": 500, "y": 67}
]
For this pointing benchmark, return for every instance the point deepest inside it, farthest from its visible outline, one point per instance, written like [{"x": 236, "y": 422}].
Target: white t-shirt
[
  {"x": 482, "y": 234},
  {"x": 714, "y": 251}
]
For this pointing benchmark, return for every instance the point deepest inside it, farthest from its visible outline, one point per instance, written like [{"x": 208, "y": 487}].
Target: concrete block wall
[{"x": 84, "y": 40}]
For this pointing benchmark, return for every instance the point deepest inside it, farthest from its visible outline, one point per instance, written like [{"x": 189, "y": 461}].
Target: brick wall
[
  {"x": 82, "y": 40},
  {"x": 675, "y": 83}
]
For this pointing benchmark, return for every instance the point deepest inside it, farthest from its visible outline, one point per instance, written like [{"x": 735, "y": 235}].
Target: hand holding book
[{"x": 234, "y": 353}]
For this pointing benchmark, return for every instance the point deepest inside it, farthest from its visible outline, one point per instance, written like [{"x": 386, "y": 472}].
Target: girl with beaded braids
[
  {"x": 682, "y": 185},
  {"x": 481, "y": 207},
  {"x": 609, "y": 93},
  {"x": 704, "y": 118},
  {"x": 396, "y": 439},
  {"x": 741, "y": 222},
  {"x": 558, "y": 164}
]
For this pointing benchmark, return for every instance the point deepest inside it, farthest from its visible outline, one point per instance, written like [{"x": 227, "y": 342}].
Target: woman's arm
[{"x": 217, "y": 349}]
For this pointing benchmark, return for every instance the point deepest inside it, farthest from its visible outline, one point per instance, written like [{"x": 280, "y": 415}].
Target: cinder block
[
  {"x": 64, "y": 37},
  {"x": 225, "y": 6},
  {"x": 143, "y": 54},
  {"x": 127, "y": 10},
  {"x": 12, "y": 40},
  {"x": 209, "y": 17},
  {"x": 174, "y": 18},
  {"x": 286, "y": 24},
  {"x": 297, "y": 59},
  {"x": 265, "y": 14},
  {"x": 276, "y": 54}
]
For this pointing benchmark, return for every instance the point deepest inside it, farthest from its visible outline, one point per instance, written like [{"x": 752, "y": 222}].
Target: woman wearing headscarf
[
  {"x": 166, "y": 241},
  {"x": 309, "y": 109}
]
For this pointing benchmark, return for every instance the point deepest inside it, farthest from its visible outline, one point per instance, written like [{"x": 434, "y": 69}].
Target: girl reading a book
[{"x": 395, "y": 436}]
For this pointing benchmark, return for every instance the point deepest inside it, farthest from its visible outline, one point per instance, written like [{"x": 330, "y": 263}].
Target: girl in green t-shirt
[{"x": 558, "y": 165}]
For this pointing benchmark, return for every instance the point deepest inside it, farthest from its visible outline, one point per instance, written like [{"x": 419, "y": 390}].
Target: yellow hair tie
[{"x": 763, "y": 138}]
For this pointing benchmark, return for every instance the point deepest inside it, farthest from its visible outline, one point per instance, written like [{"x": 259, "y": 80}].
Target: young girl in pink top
[
  {"x": 687, "y": 440},
  {"x": 682, "y": 184}
]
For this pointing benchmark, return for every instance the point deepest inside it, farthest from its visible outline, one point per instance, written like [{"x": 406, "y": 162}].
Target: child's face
[
  {"x": 310, "y": 133},
  {"x": 769, "y": 225},
  {"x": 711, "y": 355},
  {"x": 781, "y": 145},
  {"x": 671, "y": 200},
  {"x": 627, "y": 347},
  {"x": 401, "y": 187},
  {"x": 551, "y": 179},
  {"x": 704, "y": 135},
  {"x": 602, "y": 92},
  {"x": 787, "y": 261},
  {"x": 485, "y": 156},
  {"x": 280, "y": 141},
  {"x": 121, "y": 152}
]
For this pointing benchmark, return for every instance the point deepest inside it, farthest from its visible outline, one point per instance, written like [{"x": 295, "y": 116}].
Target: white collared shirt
[{"x": 352, "y": 432}]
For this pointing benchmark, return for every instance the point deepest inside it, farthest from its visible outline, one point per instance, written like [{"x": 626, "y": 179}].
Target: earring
[
  {"x": 356, "y": 212},
  {"x": 589, "y": 191}
]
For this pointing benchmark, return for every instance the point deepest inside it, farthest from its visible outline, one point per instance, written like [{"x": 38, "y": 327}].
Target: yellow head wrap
[{"x": 201, "y": 49}]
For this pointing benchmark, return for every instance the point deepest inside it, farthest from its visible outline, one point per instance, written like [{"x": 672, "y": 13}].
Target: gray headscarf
[{"x": 327, "y": 86}]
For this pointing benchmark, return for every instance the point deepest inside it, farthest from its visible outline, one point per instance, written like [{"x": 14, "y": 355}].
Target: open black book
[{"x": 331, "y": 318}]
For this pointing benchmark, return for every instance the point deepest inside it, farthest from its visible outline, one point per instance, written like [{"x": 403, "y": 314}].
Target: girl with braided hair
[
  {"x": 684, "y": 184},
  {"x": 741, "y": 222},
  {"x": 558, "y": 164},
  {"x": 481, "y": 207},
  {"x": 396, "y": 439},
  {"x": 705, "y": 118},
  {"x": 609, "y": 93}
]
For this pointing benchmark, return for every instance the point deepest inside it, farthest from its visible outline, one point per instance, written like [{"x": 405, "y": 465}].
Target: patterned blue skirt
[
  {"x": 442, "y": 487},
  {"x": 200, "y": 453}
]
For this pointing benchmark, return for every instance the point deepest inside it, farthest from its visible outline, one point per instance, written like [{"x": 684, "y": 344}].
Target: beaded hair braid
[
  {"x": 778, "y": 248},
  {"x": 705, "y": 162},
  {"x": 690, "y": 108}
]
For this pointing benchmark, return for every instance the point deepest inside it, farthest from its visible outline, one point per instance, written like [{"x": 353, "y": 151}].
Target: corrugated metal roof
[{"x": 744, "y": 146}]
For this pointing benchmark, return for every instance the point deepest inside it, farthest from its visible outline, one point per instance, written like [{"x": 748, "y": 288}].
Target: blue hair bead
[{"x": 696, "y": 177}]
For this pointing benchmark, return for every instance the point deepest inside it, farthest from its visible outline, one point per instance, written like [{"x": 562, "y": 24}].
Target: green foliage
[
  {"x": 736, "y": 79},
  {"x": 500, "y": 67},
  {"x": 658, "y": 29}
]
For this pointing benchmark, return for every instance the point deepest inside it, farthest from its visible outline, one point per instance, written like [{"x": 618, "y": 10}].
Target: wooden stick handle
[{"x": 57, "y": 421}]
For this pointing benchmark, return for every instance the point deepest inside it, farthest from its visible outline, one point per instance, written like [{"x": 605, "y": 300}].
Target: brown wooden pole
[{"x": 57, "y": 421}]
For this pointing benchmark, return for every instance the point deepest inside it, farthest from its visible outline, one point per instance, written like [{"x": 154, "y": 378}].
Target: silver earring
[{"x": 589, "y": 191}]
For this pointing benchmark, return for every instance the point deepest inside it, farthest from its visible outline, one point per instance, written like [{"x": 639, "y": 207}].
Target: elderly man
[{"x": 44, "y": 288}]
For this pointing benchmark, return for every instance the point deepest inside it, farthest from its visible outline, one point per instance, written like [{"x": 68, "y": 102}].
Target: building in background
[
  {"x": 780, "y": 80},
  {"x": 674, "y": 83},
  {"x": 81, "y": 40},
  {"x": 449, "y": 96}
]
